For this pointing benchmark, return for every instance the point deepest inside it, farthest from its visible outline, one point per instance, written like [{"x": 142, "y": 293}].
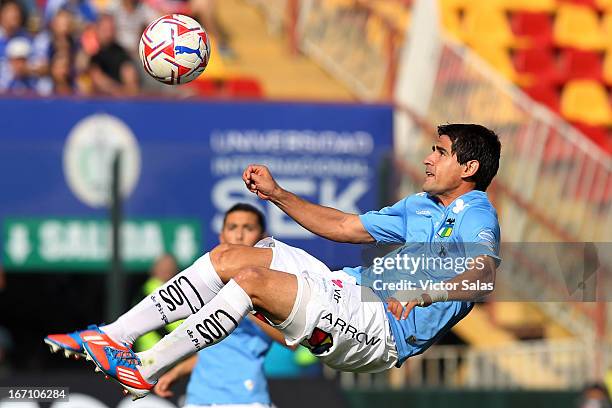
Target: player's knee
[
  {"x": 220, "y": 255},
  {"x": 250, "y": 279}
]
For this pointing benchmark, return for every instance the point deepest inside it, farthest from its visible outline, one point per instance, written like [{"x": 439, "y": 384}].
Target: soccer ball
[{"x": 174, "y": 49}]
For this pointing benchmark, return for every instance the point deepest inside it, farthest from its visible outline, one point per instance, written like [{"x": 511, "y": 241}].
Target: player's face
[
  {"x": 442, "y": 170},
  {"x": 241, "y": 227}
]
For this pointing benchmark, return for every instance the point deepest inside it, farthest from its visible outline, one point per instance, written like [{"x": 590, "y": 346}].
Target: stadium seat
[
  {"x": 499, "y": 58},
  {"x": 607, "y": 68},
  {"x": 546, "y": 94},
  {"x": 578, "y": 26},
  {"x": 580, "y": 64},
  {"x": 238, "y": 87},
  {"x": 491, "y": 4},
  {"x": 537, "y": 66},
  {"x": 462, "y": 5},
  {"x": 534, "y": 5},
  {"x": 451, "y": 22},
  {"x": 606, "y": 28},
  {"x": 487, "y": 25},
  {"x": 535, "y": 27},
  {"x": 586, "y": 3},
  {"x": 454, "y": 5},
  {"x": 604, "y": 4},
  {"x": 244, "y": 88},
  {"x": 586, "y": 102},
  {"x": 205, "y": 87}
]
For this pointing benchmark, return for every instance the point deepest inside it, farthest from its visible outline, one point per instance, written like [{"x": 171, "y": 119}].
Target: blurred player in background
[
  {"x": 231, "y": 373},
  {"x": 595, "y": 395},
  {"x": 321, "y": 309},
  {"x": 164, "y": 268}
]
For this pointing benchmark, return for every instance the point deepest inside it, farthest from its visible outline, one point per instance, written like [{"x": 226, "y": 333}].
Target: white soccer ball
[{"x": 174, "y": 49}]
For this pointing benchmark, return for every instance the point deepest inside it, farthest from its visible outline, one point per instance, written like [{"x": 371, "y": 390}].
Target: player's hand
[
  {"x": 259, "y": 180},
  {"x": 162, "y": 388},
  {"x": 398, "y": 310}
]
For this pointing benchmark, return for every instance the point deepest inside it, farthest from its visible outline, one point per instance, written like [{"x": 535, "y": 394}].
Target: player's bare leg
[
  {"x": 271, "y": 292},
  {"x": 229, "y": 259}
]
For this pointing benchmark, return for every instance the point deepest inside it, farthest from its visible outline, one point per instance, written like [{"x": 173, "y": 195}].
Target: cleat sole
[
  {"x": 55, "y": 348},
  {"x": 134, "y": 392}
]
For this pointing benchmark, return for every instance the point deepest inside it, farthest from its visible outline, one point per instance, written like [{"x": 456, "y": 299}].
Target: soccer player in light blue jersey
[
  {"x": 354, "y": 319},
  {"x": 230, "y": 374}
]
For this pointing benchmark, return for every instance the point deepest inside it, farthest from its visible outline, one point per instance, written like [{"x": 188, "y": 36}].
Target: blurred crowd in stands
[{"x": 85, "y": 47}]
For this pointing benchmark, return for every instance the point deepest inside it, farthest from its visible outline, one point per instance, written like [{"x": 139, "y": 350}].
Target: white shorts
[{"x": 332, "y": 302}]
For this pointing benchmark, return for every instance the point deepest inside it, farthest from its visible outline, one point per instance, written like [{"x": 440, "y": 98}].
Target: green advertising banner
[{"x": 85, "y": 244}]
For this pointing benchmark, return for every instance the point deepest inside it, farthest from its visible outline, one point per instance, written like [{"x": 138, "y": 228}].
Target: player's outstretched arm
[{"x": 326, "y": 222}]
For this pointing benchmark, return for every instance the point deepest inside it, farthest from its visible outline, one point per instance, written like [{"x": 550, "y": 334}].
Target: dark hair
[
  {"x": 475, "y": 142},
  {"x": 261, "y": 220}
]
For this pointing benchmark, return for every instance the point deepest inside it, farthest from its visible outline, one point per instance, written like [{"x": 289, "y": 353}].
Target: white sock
[
  {"x": 208, "y": 326},
  {"x": 178, "y": 298}
]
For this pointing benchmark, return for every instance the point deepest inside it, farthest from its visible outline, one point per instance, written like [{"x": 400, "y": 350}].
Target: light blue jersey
[
  {"x": 468, "y": 227},
  {"x": 231, "y": 372}
]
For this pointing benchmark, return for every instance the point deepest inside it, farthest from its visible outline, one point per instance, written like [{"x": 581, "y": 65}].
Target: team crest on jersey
[
  {"x": 447, "y": 228},
  {"x": 319, "y": 342}
]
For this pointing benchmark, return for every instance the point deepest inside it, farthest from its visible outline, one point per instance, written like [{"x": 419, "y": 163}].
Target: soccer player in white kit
[{"x": 349, "y": 325}]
